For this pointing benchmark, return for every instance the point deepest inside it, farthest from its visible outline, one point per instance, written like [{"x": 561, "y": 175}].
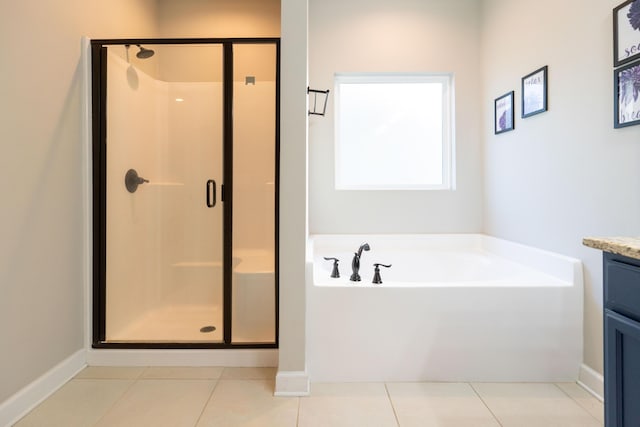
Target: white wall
[
  {"x": 41, "y": 214},
  {"x": 385, "y": 36},
  {"x": 293, "y": 189},
  {"x": 564, "y": 174}
]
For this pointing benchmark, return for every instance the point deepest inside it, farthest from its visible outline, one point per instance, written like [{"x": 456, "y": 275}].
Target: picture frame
[
  {"x": 534, "y": 92},
  {"x": 626, "y": 89},
  {"x": 503, "y": 113},
  {"x": 626, "y": 32}
]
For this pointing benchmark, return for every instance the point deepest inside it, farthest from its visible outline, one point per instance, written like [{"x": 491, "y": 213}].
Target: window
[{"x": 394, "y": 131}]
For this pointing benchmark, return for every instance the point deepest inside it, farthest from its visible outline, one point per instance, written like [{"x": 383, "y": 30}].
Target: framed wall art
[
  {"x": 534, "y": 92},
  {"x": 626, "y": 32},
  {"x": 503, "y": 113},
  {"x": 626, "y": 89}
]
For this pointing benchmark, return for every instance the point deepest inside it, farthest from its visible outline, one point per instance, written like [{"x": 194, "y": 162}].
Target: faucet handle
[
  {"x": 334, "y": 272},
  {"x": 376, "y": 274},
  {"x": 381, "y": 265}
]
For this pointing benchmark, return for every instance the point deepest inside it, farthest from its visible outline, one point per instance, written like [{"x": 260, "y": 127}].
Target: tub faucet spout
[{"x": 355, "y": 264}]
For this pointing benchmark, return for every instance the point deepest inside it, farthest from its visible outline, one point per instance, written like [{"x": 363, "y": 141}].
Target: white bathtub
[{"x": 451, "y": 308}]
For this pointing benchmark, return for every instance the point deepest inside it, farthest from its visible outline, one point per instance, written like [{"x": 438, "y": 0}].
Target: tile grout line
[
  {"x": 495, "y": 417},
  {"x": 124, "y": 393},
  {"x": 298, "y": 414},
  {"x": 393, "y": 408},
  {"x": 578, "y": 403},
  {"x": 146, "y": 369},
  {"x": 204, "y": 407}
]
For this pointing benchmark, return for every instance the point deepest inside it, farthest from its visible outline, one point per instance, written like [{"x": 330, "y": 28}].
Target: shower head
[{"x": 144, "y": 52}]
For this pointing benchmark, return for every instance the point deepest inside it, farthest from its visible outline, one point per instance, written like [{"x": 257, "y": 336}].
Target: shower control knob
[{"x": 132, "y": 180}]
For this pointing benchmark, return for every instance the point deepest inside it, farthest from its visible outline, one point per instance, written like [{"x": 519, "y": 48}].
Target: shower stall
[{"x": 185, "y": 178}]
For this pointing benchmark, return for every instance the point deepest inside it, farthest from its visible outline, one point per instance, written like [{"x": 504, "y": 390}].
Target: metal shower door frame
[{"x": 99, "y": 108}]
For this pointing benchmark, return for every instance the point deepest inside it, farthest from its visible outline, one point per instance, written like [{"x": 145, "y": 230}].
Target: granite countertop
[{"x": 626, "y": 246}]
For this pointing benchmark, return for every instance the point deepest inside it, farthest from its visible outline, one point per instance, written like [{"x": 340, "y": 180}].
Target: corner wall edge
[
  {"x": 591, "y": 381},
  {"x": 292, "y": 384}
]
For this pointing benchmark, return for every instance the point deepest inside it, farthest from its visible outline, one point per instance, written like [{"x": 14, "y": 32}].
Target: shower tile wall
[{"x": 131, "y": 256}]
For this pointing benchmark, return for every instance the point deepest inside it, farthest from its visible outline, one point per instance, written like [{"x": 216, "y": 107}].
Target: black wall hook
[{"x": 318, "y": 107}]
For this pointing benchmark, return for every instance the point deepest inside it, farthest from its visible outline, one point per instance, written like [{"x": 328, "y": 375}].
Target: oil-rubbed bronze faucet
[
  {"x": 355, "y": 264},
  {"x": 377, "y": 279},
  {"x": 335, "y": 273}
]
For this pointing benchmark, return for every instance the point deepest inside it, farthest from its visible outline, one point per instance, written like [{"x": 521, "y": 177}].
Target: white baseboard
[
  {"x": 18, "y": 405},
  {"x": 226, "y": 357},
  {"x": 292, "y": 383},
  {"x": 591, "y": 381}
]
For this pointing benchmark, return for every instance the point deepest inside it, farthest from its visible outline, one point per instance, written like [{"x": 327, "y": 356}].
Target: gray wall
[
  {"x": 41, "y": 163},
  {"x": 387, "y": 36},
  {"x": 41, "y": 222},
  {"x": 560, "y": 176},
  {"x": 564, "y": 174}
]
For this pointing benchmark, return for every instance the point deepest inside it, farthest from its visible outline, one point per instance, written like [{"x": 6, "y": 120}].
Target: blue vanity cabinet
[{"x": 621, "y": 341}]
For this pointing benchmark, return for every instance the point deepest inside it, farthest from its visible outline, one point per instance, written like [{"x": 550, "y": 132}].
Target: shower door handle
[{"x": 211, "y": 193}]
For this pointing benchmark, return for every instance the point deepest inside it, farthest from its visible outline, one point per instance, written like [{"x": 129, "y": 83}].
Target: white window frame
[{"x": 448, "y": 126}]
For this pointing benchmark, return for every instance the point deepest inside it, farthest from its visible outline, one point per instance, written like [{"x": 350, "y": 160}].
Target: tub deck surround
[
  {"x": 626, "y": 246},
  {"x": 451, "y": 308}
]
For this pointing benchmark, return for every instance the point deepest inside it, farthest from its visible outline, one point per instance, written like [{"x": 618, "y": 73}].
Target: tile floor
[{"x": 176, "y": 397}]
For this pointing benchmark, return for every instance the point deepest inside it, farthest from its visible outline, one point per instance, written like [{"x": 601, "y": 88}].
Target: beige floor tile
[
  {"x": 110, "y": 372},
  {"x": 171, "y": 403},
  {"x": 182, "y": 373},
  {"x": 248, "y": 374},
  {"x": 347, "y": 404},
  {"x": 533, "y": 405},
  {"x": 584, "y": 399},
  {"x": 249, "y": 403},
  {"x": 79, "y": 403},
  {"x": 439, "y": 405}
]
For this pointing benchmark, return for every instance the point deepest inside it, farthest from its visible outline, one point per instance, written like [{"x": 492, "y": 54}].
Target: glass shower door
[
  {"x": 164, "y": 216},
  {"x": 254, "y": 200}
]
